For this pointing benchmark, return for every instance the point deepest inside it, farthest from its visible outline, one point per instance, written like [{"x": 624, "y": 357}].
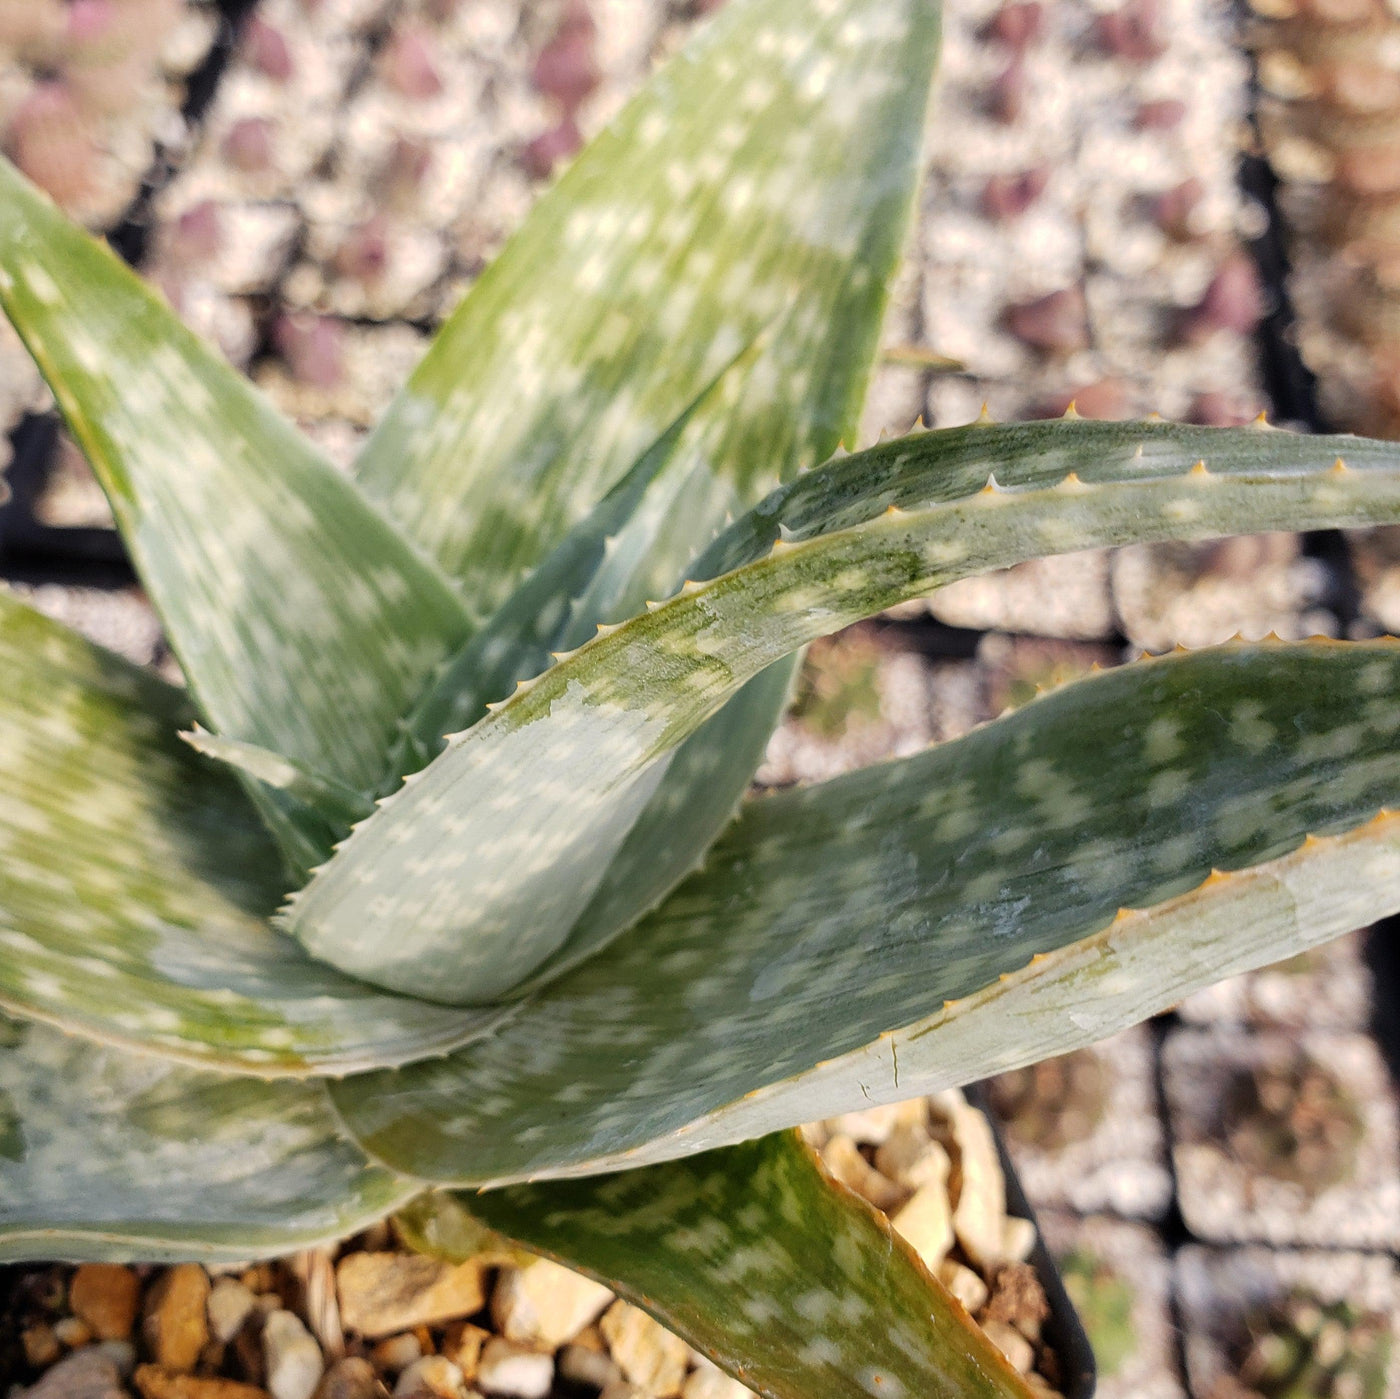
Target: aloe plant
[{"x": 437, "y": 884}]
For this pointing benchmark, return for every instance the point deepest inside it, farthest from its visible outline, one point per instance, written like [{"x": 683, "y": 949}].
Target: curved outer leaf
[
  {"x": 135, "y": 883},
  {"x": 760, "y": 183},
  {"x": 780, "y": 1275},
  {"x": 466, "y": 879},
  {"x": 304, "y": 624},
  {"x": 923, "y": 923},
  {"x": 114, "y": 1155}
]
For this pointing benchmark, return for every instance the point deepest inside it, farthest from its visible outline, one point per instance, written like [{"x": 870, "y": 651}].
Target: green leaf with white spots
[
  {"x": 317, "y": 796},
  {"x": 759, "y": 185},
  {"x": 633, "y": 545},
  {"x": 304, "y": 623},
  {"x": 783, "y": 1278},
  {"x": 136, "y": 883},
  {"x": 931, "y": 921},
  {"x": 110, "y": 1155},
  {"x": 699, "y": 795},
  {"x": 715, "y": 276},
  {"x": 478, "y": 870}
]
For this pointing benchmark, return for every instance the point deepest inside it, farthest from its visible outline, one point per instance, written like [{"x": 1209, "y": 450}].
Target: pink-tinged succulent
[
  {"x": 265, "y": 48},
  {"x": 198, "y": 233},
  {"x": 1133, "y": 32},
  {"x": 48, "y": 139},
  {"x": 567, "y": 67},
  {"x": 1160, "y": 114},
  {"x": 1173, "y": 209},
  {"x": 1018, "y": 24},
  {"x": 540, "y": 156},
  {"x": 410, "y": 66},
  {"x": 313, "y": 349},
  {"x": 1008, "y": 196},
  {"x": 1216, "y": 408},
  {"x": 1057, "y": 323},
  {"x": 1233, "y": 301},
  {"x": 364, "y": 254},
  {"x": 400, "y": 175},
  {"x": 1103, "y": 399},
  {"x": 248, "y": 145},
  {"x": 1006, "y": 97}
]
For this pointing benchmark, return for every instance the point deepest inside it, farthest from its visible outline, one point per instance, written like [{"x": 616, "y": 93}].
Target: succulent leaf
[
  {"x": 699, "y": 795},
  {"x": 479, "y": 870},
  {"x": 303, "y": 622},
  {"x": 758, "y": 185},
  {"x": 783, "y": 1278},
  {"x": 927, "y": 922},
  {"x": 136, "y": 881},
  {"x": 715, "y": 276},
  {"x": 639, "y": 536},
  {"x": 318, "y": 795},
  {"x": 110, "y": 1155}
]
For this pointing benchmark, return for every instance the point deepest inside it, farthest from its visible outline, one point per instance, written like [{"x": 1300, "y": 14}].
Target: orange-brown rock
[
  {"x": 155, "y": 1383},
  {"x": 176, "y": 1325},
  {"x": 106, "y": 1296}
]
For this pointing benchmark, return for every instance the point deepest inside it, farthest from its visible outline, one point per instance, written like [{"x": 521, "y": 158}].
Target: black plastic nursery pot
[{"x": 1063, "y": 1331}]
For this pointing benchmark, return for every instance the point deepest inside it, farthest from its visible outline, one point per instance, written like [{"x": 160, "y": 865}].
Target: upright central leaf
[
  {"x": 759, "y": 183},
  {"x": 685, "y": 322}
]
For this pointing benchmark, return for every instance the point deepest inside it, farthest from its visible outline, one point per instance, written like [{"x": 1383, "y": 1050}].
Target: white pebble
[
  {"x": 293, "y": 1359},
  {"x": 509, "y": 1369}
]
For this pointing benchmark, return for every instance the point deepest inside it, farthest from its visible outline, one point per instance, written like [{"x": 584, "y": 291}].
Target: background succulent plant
[{"x": 586, "y": 543}]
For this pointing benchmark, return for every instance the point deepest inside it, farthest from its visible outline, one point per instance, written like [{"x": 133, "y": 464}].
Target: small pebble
[
  {"x": 122, "y": 1354},
  {"x": 155, "y": 1383},
  {"x": 72, "y": 1332},
  {"x": 926, "y": 1223},
  {"x": 293, "y": 1360},
  {"x": 462, "y": 1345},
  {"x": 966, "y": 1285},
  {"x": 351, "y": 1378},
  {"x": 106, "y": 1296},
  {"x": 580, "y": 1365},
  {"x": 176, "y": 1326},
  {"x": 543, "y": 1305},
  {"x": 230, "y": 1305},
  {"x": 648, "y": 1355},
  {"x": 87, "y": 1374},
  {"x": 395, "y": 1353},
  {"x": 843, "y": 1159},
  {"x": 41, "y": 1346},
  {"x": 506, "y": 1368},
  {"x": 710, "y": 1383},
  {"x": 1012, "y": 1344},
  {"x": 433, "y": 1374}
]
